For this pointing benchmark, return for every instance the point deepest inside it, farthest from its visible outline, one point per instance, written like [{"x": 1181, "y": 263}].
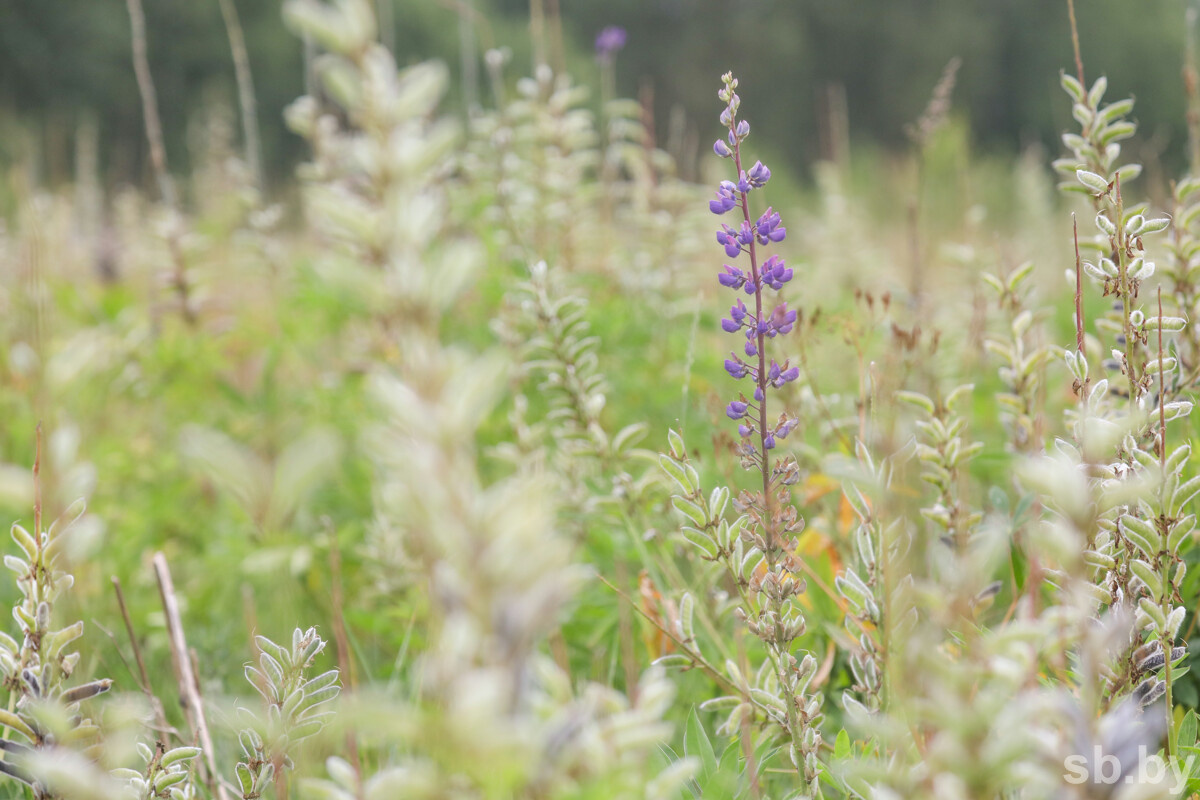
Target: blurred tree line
[{"x": 801, "y": 62}]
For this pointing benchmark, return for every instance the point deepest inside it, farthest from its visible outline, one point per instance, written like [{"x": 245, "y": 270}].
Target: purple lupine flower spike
[{"x": 758, "y": 321}]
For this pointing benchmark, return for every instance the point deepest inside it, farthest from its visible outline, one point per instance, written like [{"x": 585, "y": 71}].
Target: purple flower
[
  {"x": 782, "y": 320},
  {"x": 732, "y": 277},
  {"x": 768, "y": 227},
  {"x": 728, "y": 237},
  {"x": 777, "y": 376},
  {"x": 775, "y": 274},
  {"x": 759, "y": 175},
  {"x": 726, "y": 199},
  {"x": 735, "y": 241},
  {"x": 609, "y": 41}
]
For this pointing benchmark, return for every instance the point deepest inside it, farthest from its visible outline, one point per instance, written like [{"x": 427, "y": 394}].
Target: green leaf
[
  {"x": 841, "y": 747},
  {"x": 675, "y": 470},
  {"x": 1092, "y": 181},
  {"x": 1187, "y": 729},
  {"x": 691, "y": 510},
  {"x": 696, "y": 743}
]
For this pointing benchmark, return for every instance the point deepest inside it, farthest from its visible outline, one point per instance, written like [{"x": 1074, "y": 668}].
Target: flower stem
[{"x": 760, "y": 377}]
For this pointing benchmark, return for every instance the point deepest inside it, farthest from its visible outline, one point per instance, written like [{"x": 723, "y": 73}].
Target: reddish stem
[{"x": 761, "y": 377}]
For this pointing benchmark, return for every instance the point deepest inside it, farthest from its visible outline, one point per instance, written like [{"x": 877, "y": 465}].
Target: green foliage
[{"x": 410, "y": 416}]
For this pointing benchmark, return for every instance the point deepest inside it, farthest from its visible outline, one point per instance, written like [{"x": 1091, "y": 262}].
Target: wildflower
[
  {"x": 777, "y": 376},
  {"x": 758, "y": 174},
  {"x": 609, "y": 41},
  {"x": 782, "y": 320},
  {"x": 728, "y": 237},
  {"x": 768, "y": 228},
  {"x": 735, "y": 368},
  {"x": 722, "y": 149},
  {"x": 736, "y": 409},
  {"x": 725, "y": 198},
  {"x": 775, "y": 274},
  {"x": 732, "y": 277}
]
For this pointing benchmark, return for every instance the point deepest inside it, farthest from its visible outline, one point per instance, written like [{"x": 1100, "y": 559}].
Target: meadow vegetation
[{"x": 427, "y": 480}]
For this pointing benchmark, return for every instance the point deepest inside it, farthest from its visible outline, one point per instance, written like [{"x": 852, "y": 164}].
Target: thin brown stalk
[
  {"x": 145, "y": 82},
  {"x": 1079, "y": 328},
  {"x": 158, "y": 153},
  {"x": 1075, "y": 41},
  {"x": 189, "y": 692},
  {"x": 625, "y": 637},
  {"x": 245, "y": 89},
  {"x": 160, "y": 715},
  {"x": 712, "y": 671}
]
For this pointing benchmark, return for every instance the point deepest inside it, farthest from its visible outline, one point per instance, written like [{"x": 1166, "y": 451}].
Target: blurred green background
[{"x": 68, "y": 60}]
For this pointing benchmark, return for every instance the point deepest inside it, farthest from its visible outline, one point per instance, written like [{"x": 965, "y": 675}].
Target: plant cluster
[{"x": 946, "y": 554}]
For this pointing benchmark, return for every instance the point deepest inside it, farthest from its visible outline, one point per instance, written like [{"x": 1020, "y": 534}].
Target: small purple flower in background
[
  {"x": 771, "y": 273},
  {"x": 609, "y": 41}
]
